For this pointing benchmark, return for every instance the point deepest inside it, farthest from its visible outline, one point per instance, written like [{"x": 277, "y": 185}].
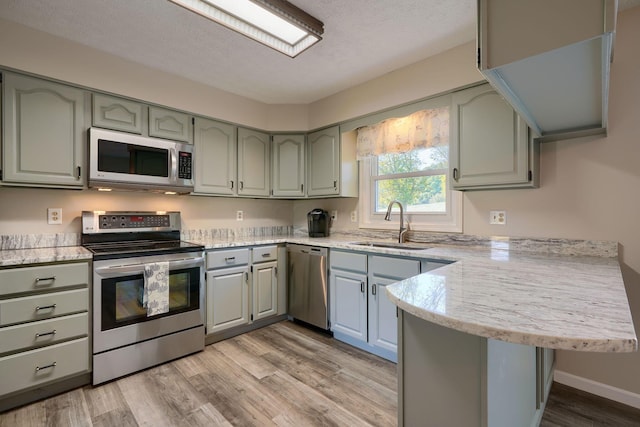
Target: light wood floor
[{"x": 282, "y": 375}]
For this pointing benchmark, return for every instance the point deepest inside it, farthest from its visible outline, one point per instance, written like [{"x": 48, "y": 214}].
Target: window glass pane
[
  {"x": 420, "y": 159},
  {"x": 424, "y": 194}
]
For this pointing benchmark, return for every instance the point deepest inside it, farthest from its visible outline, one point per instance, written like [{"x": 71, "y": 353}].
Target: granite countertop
[{"x": 521, "y": 296}]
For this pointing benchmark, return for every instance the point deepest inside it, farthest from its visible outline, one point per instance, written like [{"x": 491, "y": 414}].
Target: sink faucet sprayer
[{"x": 387, "y": 217}]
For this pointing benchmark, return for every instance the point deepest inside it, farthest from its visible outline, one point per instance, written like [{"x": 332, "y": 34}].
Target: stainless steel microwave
[{"x": 119, "y": 160}]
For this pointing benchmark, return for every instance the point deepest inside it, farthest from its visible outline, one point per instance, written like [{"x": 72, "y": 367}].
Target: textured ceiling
[{"x": 363, "y": 39}]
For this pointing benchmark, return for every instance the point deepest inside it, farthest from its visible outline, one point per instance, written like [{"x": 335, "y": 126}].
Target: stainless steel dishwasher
[{"x": 307, "y": 284}]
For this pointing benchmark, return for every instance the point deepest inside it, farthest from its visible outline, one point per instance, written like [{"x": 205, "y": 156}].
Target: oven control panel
[
  {"x": 133, "y": 221},
  {"x": 105, "y": 221}
]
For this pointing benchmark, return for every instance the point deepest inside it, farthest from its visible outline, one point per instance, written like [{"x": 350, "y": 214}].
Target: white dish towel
[{"x": 156, "y": 288}]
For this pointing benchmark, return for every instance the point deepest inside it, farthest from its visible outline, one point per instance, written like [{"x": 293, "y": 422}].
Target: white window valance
[{"x": 422, "y": 129}]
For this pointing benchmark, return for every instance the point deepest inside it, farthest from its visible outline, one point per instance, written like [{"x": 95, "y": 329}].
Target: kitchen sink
[{"x": 406, "y": 246}]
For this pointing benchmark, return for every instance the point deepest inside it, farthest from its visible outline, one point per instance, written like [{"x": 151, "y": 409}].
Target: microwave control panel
[{"x": 184, "y": 165}]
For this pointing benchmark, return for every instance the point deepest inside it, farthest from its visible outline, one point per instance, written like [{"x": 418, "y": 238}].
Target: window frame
[{"x": 368, "y": 218}]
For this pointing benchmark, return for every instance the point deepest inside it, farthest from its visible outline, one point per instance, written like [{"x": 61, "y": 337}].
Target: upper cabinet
[
  {"x": 43, "y": 134},
  {"x": 491, "y": 146},
  {"x": 288, "y": 165},
  {"x": 215, "y": 169},
  {"x": 550, "y": 60},
  {"x": 170, "y": 124},
  {"x": 254, "y": 160},
  {"x": 116, "y": 113},
  {"x": 332, "y": 165}
]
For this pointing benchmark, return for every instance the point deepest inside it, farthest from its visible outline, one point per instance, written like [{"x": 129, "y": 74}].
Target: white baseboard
[{"x": 599, "y": 389}]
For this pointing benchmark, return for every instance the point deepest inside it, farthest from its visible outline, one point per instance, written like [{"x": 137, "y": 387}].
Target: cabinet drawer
[
  {"x": 348, "y": 261},
  {"x": 42, "y": 278},
  {"x": 44, "y": 306},
  {"x": 265, "y": 253},
  {"x": 394, "y": 267},
  {"x": 23, "y": 370},
  {"x": 227, "y": 258},
  {"x": 32, "y": 334}
]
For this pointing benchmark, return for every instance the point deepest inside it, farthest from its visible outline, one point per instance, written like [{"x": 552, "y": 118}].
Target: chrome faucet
[{"x": 387, "y": 217}]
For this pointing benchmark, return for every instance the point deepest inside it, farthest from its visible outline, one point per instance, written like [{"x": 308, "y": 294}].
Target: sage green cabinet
[
  {"x": 491, "y": 146},
  {"x": 43, "y": 132},
  {"x": 115, "y": 113},
  {"x": 254, "y": 161},
  {"x": 288, "y": 165},
  {"x": 324, "y": 162},
  {"x": 44, "y": 331},
  {"x": 170, "y": 124},
  {"x": 215, "y": 169},
  {"x": 447, "y": 377},
  {"x": 112, "y": 112}
]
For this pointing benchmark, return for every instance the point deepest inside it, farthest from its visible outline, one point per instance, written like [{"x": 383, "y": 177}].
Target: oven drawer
[
  {"x": 43, "y": 278},
  {"x": 43, "y": 306},
  {"x": 265, "y": 253},
  {"x": 227, "y": 258},
  {"x": 43, "y": 332},
  {"x": 31, "y": 368}
]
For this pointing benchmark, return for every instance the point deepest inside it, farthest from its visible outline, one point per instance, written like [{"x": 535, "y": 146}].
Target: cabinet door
[
  {"x": 288, "y": 165},
  {"x": 43, "y": 134},
  {"x": 490, "y": 142},
  {"x": 227, "y": 298},
  {"x": 265, "y": 290},
  {"x": 115, "y": 113},
  {"x": 254, "y": 157},
  {"x": 215, "y": 145},
  {"x": 383, "y": 318},
  {"x": 169, "y": 124},
  {"x": 324, "y": 162},
  {"x": 348, "y": 304}
]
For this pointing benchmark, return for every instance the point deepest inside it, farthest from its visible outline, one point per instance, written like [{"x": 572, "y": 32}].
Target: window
[{"x": 407, "y": 159}]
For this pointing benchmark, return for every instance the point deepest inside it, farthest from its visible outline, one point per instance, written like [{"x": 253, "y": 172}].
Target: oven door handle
[{"x": 139, "y": 267}]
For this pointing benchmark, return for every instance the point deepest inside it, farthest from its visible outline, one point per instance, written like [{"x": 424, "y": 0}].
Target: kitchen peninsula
[{"x": 474, "y": 335}]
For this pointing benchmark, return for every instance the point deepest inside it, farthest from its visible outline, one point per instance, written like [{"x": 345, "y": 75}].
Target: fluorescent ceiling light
[{"x": 275, "y": 23}]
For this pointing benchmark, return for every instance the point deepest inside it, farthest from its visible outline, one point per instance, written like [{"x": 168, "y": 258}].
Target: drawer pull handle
[
  {"x": 46, "y": 307},
  {"x": 44, "y": 334},
  {"x": 266, "y": 255},
  {"x": 40, "y": 368},
  {"x": 374, "y": 291},
  {"x": 229, "y": 259},
  {"x": 45, "y": 279}
]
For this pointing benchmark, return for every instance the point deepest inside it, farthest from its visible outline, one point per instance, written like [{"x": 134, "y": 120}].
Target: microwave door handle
[
  {"x": 116, "y": 270},
  {"x": 174, "y": 165}
]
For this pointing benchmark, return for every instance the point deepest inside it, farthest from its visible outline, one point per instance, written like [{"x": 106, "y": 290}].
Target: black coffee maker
[{"x": 319, "y": 221}]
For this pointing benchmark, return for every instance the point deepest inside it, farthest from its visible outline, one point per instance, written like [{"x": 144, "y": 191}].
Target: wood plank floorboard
[{"x": 281, "y": 375}]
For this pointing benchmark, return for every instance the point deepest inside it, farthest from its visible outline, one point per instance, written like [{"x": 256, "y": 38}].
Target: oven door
[{"x": 118, "y": 316}]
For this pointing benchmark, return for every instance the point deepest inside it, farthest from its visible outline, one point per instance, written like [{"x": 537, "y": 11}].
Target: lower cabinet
[
  {"x": 44, "y": 331},
  {"x": 447, "y": 377},
  {"x": 242, "y": 287},
  {"x": 361, "y": 314}
]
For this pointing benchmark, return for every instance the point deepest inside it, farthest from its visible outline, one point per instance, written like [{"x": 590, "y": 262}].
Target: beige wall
[{"x": 589, "y": 187}]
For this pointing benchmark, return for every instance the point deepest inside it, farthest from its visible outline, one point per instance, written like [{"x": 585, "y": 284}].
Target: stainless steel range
[{"x": 128, "y": 333}]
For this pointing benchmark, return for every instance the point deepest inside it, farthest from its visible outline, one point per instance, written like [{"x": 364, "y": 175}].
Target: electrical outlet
[
  {"x": 54, "y": 216},
  {"x": 239, "y": 216},
  {"x": 354, "y": 216},
  {"x": 498, "y": 217},
  {"x": 334, "y": 216}
]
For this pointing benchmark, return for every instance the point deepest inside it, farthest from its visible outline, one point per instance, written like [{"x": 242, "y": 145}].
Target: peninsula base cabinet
[
  {"x": 447, "y": 377},
  {"x": 244, "y": 290},
  {"x": 44, "y": 331},
  {"x": 361, "y": 314}
]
